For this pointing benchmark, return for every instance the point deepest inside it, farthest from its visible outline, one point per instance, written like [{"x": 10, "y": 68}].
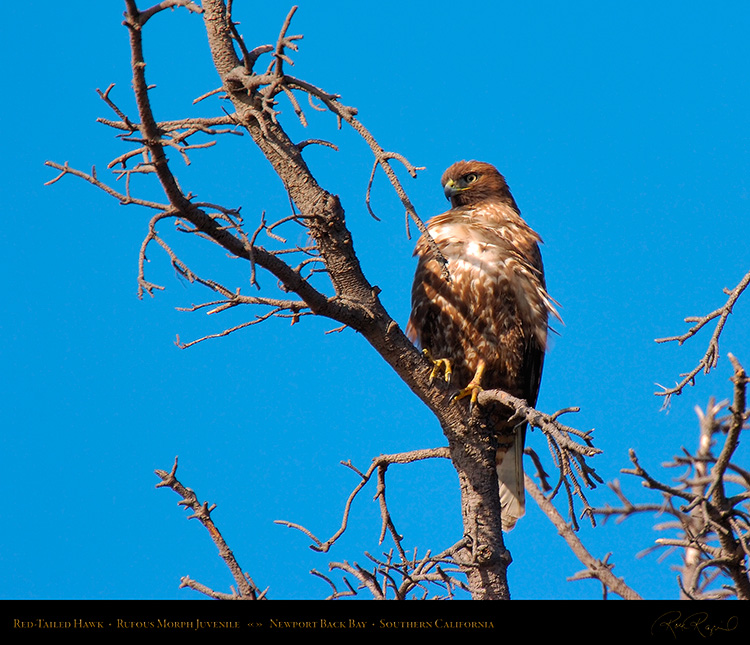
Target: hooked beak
[{"x": 451, "y": 189}]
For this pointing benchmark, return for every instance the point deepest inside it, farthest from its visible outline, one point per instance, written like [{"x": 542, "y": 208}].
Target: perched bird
[{"x": 486, "y": 327}]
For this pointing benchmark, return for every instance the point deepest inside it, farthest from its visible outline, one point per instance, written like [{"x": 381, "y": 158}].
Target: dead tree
[
  {"x": 707, "y": 508},
  {"x": 324, "y": 278},
  {"x": 711, "y": 357},
  {"x": 706, "y": 511}
]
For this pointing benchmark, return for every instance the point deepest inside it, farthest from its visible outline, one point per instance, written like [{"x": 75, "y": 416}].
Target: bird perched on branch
[{"x": 486, "y": 327}]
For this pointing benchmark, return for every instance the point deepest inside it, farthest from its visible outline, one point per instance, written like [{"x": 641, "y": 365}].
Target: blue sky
[{"x": 623, "y": 134}]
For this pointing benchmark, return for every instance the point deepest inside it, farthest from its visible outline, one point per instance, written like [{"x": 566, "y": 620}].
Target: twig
[
  {"x": 712, "y": 528},
  {"x": 167, "y": 4},
  {"x": 711, "y": 357},
  {"x": 380, "y": 462},
  {"x": 202, "y": 512},
  {"x": 569, "y": 455},
  {"x": 599, "y": 569}
]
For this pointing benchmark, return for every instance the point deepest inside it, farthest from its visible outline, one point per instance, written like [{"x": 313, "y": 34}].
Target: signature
[{"x": 699, "y": 623}]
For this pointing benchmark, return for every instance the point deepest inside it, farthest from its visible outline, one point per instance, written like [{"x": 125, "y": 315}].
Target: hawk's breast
[{"x": 495, "y": 304}]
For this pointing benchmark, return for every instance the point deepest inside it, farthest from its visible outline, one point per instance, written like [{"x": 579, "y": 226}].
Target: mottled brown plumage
[{"x": 490, "y": 321}]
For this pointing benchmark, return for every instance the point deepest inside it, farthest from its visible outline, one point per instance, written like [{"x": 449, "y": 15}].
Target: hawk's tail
[{"x": 509, "y": 459}]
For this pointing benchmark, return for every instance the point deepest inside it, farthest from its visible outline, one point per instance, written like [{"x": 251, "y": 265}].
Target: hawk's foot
[
  {"x": 439, "y": 365},
  {"x": 472, "y": 389}
]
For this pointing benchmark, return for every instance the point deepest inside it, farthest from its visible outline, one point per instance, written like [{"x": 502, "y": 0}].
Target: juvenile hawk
[{"x": 487, "y": 327}]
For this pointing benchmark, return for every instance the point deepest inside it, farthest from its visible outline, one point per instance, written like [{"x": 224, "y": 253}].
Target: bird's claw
[
  {"x": 439, "y": 365},
  {"x": 472, "y": 390}
]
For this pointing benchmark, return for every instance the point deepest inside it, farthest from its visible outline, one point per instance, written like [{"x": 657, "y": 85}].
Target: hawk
[{"x": 487, "y": 326}]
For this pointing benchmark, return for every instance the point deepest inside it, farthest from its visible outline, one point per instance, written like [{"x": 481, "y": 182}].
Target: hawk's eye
[{"x": 470, "y": 178}]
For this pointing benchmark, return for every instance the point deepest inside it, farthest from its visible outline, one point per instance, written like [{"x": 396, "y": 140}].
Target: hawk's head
[{"x": 467, "y": 183}]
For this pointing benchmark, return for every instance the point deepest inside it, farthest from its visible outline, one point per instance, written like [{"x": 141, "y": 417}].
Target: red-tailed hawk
[{"x": 487, "y": 326}]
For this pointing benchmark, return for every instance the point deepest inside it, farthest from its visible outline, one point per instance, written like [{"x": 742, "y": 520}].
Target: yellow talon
[
  {"x": 473, "y": 388},
  {"x": 439, "y": 364}
]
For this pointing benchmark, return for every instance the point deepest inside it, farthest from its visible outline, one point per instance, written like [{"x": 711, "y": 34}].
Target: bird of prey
[{"x": 486, "y": 327}]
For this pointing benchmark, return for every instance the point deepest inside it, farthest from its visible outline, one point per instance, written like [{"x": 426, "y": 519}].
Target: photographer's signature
[{"x": 699, "y": 623}]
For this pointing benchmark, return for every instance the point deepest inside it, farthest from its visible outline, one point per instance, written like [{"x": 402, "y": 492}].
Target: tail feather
[{"x": 509, "y": 460}]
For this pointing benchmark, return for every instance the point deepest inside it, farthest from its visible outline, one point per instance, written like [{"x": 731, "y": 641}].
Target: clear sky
[{"x": 622, "y": 129}]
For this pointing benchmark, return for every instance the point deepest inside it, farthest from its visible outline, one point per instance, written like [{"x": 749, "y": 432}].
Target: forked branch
[
  {"x": 246, "y": 589},
  {"x": 568, "y": 454},
  {"x": 708, "y": 508},
  {"x": 398, "y": 575},
  {"x": 711, "y": 357}
]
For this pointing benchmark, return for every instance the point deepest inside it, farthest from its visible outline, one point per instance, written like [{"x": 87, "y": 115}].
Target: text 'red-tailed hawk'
[{"x": 487, "y": 326}]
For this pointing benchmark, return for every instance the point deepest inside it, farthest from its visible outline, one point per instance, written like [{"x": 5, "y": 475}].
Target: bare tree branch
[
  {"x": 380, "y": 465},
  {"x": 569, "y": 455},
  {"x": 347, "y": 297},
  {"x": 595, "y": 568},
  {"x": 711, "y": 526},
  {"x": 246, "y": 589},
  {"x": 711, "y": 357}
]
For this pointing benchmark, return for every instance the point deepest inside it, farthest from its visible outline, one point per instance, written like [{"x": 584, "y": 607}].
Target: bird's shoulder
[{"x": 489, "y": 222}]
